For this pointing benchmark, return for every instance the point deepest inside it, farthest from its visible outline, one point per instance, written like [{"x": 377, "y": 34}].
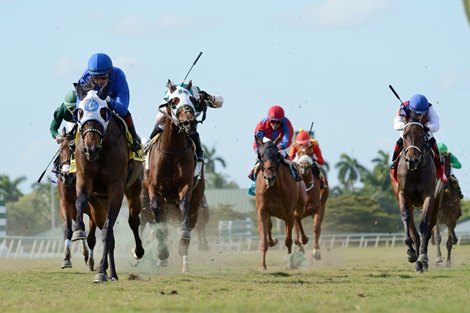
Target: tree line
[{"x": 362, "y": 202}]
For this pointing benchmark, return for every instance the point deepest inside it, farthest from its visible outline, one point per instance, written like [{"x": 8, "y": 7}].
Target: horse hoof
[
  {"x": 66, "y": 264},
  {"x": 273, "y": 242},
  {"x": 78, "y": 235},
  {"x": 304, "y": 241},
  {"x": 138, "y": 253},
  {"x": 419, "y": 267},
  {"x": 439, "y": 260},
  {"x": 101, "y": 278},
  {"x": 412, "y": 256},
  {"x": 317, "y": 254},
  {"x": 91, "y": 265},
  {"x": 163, "y": 253},
  {"x": 423, "y": 257}
]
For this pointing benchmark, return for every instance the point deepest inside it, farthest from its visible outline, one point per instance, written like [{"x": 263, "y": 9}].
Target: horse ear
[
  {"x": 190, "y": 85},
  {"x": 81, "y": 93},
  {"x": 64, "y": 132},
  {"x": 170, "y": 86}
]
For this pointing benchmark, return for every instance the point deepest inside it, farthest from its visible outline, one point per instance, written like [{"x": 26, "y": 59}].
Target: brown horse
[
  {"x": 448, "y": 214},
  {"x": 173, "y": 192},
  {"x": 416, "y": 188},
  {"x": 67, "y": 198},
  {"x": 104, "y": 175},
  {"x": 278, "y": 195},
  {"x": 316, "y": 197}
]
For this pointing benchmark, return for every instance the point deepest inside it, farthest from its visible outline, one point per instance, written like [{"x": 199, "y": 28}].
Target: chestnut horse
[
  {"x": 278, "y": 195},
  {"x": 449, "y": 212},
  {"x": 104, "y": 175},
  {"x": 67, "y": 198},
  {"x": 316, "y": 197},
  {"x": 416, "y": 188},
  {"x": 173, "y": 192}
]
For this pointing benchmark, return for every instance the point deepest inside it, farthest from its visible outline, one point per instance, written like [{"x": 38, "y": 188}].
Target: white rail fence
[{"x": 19, "y": 247}]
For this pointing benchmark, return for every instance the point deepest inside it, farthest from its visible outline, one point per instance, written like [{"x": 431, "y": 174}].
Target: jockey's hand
[
  {"x": 59, "y": 139},
  {"x": 204, "y": 96}
]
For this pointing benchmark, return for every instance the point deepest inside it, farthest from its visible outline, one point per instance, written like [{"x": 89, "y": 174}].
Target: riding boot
[
  {"x": 156, "y": 130},
  {"x": 294, "y": 169},
  {"x": 438, "y": 159},
  {"x": 254, "y": 171},
  {"x": 396, "y": 152},
  {"x": 199, "y": 152},
  {"x": 55, "y": 170},
  {"x": 136, "y": 143}
]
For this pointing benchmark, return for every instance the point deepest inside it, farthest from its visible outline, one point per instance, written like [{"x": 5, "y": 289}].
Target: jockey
[
  {"x": 201, "y": 101},
  {"x": 454, "y": 163},
  {"x": 419, "y": 105},
  {"x": 63, "y": 112},
  {"x": 303, "y": 139},
  {"x": 111, "y": 81},
  {"x": 273, "y": 125}
]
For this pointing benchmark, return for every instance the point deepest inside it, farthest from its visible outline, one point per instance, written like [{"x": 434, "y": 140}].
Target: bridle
[{"x": 420, "y": 150}]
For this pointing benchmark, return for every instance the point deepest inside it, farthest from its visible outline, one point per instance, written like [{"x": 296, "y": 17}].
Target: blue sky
[{"x": 326, "y": 61}]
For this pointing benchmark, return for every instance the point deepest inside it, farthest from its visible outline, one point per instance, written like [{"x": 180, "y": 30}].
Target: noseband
[{"x": 414, "y": 147}]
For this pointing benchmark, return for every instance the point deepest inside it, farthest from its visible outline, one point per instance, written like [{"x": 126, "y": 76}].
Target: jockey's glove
[{"x": 59, "y": 139}]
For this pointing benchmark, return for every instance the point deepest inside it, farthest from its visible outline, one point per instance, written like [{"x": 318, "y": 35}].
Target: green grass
[{"x": 346, "y": 280}]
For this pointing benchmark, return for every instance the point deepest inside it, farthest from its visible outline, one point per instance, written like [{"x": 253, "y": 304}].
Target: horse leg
[
  {"x": 80, "y": 203},
  {"x": 296, "y": 235},
  {"x": 271, "y": 241},
  {"x": 91, "y": 242},
  {"x": 107, "y": 238},
  {"x": 316, "y": 233},
  {"x": 161, "y": 230},
  {"x": 288, "y": 232},
  {"x": 134, "y": 205},
  {"x": 67, "y": 219},
  {"x": 407, "y": 220},
  {"x": 437, "y": 241},
  {"x": 263, "y": 230},
  {"x": 185, "y": 233},
  {"x": 451, "y": 240},
  {"x": 428, "y": 222}
]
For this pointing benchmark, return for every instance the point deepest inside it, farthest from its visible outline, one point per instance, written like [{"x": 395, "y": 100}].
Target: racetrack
[{"x": 347, "y": 279}]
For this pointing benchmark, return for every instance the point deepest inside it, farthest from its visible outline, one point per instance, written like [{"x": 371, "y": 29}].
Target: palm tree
[
  {"x": 210, "y": 159},
  {"x": 349, "y": 171},
  {"x": 9, "y": 188}
]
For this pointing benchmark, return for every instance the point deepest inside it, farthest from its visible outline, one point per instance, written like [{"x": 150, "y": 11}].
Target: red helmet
[
  {"x": 275, "y": 113},
  {"x": 302, "y": 137}
]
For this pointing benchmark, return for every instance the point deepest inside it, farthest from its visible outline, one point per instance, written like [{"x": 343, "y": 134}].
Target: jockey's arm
[
  {"x": 398, "y": 123},
  {"x": 454, "y": 162},
  {"x": 433, "y": 121},
  {"x": 55, "y": 124},
  {"x": 317, "y": 153},
  {"x": 120, "y": 101}
]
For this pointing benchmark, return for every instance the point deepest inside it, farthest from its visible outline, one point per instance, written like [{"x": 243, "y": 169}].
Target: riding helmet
[
  {"x": 275, "y": 113},
  {"x": 419, "y": 104},
  {"x": 442, "y": 147},
  {"x": 100, "y": 64},
  {"x": 302, "y": 137},
  {"x": 70, "y": 99}
]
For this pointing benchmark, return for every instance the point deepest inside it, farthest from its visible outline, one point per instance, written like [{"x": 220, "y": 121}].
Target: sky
[{"x": 324, "y": 61}]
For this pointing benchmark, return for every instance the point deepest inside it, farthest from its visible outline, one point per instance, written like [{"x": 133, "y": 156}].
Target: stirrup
[{"x": 136, "y": 146}]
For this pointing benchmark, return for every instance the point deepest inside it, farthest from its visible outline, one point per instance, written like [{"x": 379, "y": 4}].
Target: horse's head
[
  {"x": 270, "y": 159},
  {"x": 92, "y": 116},
  {"x": 414, "y": 141},
  {"x": 64, "y": 158},
  {"x": 182, "y": 107},
  {"x": 305, "y": 158}
]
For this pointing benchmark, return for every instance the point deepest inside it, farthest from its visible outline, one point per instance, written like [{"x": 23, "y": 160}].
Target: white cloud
[
  {"x": 173, "y": 23},
  {"x": 66, "y": 67},
  {"x": 133, "y": 26},
  {"x": 142, "y": 26},
  {"x": 340, "y": 13}
]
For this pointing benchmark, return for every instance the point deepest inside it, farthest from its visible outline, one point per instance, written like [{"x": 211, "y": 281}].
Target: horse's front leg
[
  {"x": 135, "y": 207},
  {"x": 289, "y": 224},
  {"x": 161, "y": 229},
  {"x": 427, "y": 224},
  {"x": 184, "y": 233},
  {"x": 317, "y": 220},
  {"x": 65, "y": 212},
  {"x": 407, "y": 219},
  {"x": 80, "y": 203},
  {"x": 437, "y": 241},
  {"x": 263, "y": 221},
  {"x": 91, "y": 242}
]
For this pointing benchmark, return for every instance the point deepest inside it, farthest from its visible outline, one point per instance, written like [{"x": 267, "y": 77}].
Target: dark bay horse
[
  {"x": 278, "y": 195},
  {"x": 316, "y": 197},
  {"x": 104, "y": 175},
  {"x": 448, "y": 214},
  {"x": 416, "y": 188},
  {"x": 173, "y": 192},
  {"x": 67, "y": 198}
]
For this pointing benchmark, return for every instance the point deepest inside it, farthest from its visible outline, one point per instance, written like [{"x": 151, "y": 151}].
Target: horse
[
  {"x": 104, "y": 175},
  {"x": 316, "y": 197},
  {"x": 147, "y": 218},
  {"x": 449, "y": 212},
  {"x": 416, "y": 184},
  {"x": 173, "y": 192},
  {"x": 67, "y": 198},
  {"x": 278, "y": 195}
]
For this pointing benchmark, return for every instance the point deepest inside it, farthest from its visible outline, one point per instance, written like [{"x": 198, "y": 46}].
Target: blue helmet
[
  {"x": 99, "y": 64},
  {"x": 419, "y": 104}
]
